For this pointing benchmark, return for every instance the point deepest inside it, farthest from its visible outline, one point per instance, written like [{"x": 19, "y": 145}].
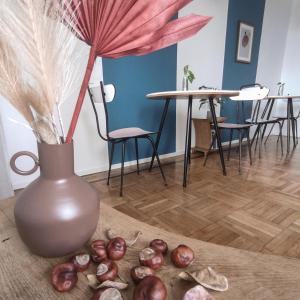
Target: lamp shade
[{"x": 95, "y": 90}]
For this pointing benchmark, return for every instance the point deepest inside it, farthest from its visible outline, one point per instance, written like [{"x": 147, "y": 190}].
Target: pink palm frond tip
[{"x": 117, "y": 28}]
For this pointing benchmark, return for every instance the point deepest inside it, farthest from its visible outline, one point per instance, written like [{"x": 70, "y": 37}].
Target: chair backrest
[
  {"x": 100, "y": 93},
  {"x": 252, "y": 92}
]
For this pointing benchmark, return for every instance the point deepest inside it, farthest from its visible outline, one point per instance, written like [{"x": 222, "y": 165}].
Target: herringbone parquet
[{"x": 258, "y": 210}]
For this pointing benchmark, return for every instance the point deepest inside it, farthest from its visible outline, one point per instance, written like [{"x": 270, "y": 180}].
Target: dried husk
[
  {"x": 208, "y": 278},
  {"x": 197, "y": 293},
  {"x": 129, "y": 242},
  {"x": 94, "y": 283},
  {"x": 143, "y": 271},
  {"x": 110, "y": 294}
]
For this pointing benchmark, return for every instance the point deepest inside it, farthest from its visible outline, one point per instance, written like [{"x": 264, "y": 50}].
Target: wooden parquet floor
[{"x": 257, "y": 211}]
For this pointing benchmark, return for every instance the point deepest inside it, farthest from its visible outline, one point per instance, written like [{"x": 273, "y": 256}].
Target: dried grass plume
[{"x": 39, "y": 63}]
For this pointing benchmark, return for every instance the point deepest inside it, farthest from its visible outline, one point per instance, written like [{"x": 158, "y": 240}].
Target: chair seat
[
  {"x": 128, "y": 133},
  {"x": 233, "y": 126},
  {"x": 261, "y": 121}
]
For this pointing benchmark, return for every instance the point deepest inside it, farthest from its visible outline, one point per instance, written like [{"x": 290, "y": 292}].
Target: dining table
[
  {"x": 190, "y": 95},
  {"x": 290, "y": 115}
]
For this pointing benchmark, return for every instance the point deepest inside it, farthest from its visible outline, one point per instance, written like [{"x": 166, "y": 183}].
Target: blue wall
[
  {"x": 134, "y": 77},
  {"x": 237, "y": 74}
]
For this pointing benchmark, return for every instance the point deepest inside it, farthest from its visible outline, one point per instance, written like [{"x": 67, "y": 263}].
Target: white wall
[
  {"x": 278, "y": 58},
  {"x": 6, "y": 189},
  {"x": 272, "y": 49},
  {"x": 18, "y": 137},
  {"x": 291, "y": 62},
  {"x": 273, "y": 43},
  {"x": 91, "y": 153},
  {"x": 205, "y": 55}
]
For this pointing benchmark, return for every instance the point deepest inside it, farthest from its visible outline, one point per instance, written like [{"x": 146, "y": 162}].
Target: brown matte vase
[{"x": 58, "y": 212}]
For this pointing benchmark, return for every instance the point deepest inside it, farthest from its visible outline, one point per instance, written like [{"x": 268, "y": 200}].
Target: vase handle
[{"x": 24, "y": 153}]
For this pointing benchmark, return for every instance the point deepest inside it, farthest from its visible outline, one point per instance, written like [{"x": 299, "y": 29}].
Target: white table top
[
  {"x": 194, "y": 93},
  {"x": 283, "y": 97}
]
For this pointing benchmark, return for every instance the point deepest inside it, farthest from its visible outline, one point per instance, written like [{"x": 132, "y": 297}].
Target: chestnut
[
  {"x": 182, "y": 256},
  {"x": 150, "y": 288},
  {"x": 107, "y": 294},
  {"x": 138, "y": 273},
  {"x": 116, "y": 248},
  {"x": 81, "y": 262},
  {"x": 64, "y": 277},
  {"x": 160, "y": 246},
  {"x": 107, "y": 270},
  {"x": 150, "y": 258},
  {"x": 98, "y": 251}
]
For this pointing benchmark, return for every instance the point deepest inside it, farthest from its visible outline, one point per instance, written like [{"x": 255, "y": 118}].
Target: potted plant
[
  {"x": 205, "y": 101},
  {"x": 203, "y": 135}
]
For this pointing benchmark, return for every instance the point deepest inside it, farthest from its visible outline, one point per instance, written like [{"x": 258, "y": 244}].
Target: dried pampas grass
[
  {"x": 39, "y": 63},
  {"x": 11, "y": 82}
]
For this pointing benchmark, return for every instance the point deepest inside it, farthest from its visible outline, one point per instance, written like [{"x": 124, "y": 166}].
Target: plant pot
[
  {"x": 58, "y": 212},
  {"x": 185, "y": 84}
]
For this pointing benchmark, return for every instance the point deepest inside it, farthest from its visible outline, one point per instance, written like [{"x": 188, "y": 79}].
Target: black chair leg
[
  {"x": 210, "y": 147},
  {"x": 137, "y": 155},
  {"x": 157, "y": 158},
  {"x": 296, "y": 125},
  {"x": 230, "y": 140},
  {"x": 249, "y": 146},
  {"x": 110, "y": 161},
  {"x": 280, "y": 136},
  {"x": 281, "y": 127},
  {"x": 295, "y": 131},
  {"x": 240, "y": 149},
  {"x": 269, "y": 133},
  {"x": 257, "y": 137},
  {"x": 122, "y": 167},
  {"x": 237, "y": 149},
  {"x": 260, "y": 142}
]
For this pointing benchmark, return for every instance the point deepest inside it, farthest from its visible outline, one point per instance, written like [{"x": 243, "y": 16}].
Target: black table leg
[
  {"x": 292, "y": 120},
  {"x": 190, "y": 135},
  {"x": 217, "y": 132},
  {"x": 254, "y": 136},
  {"x": 187, "y": 140},
  {"x": 264, "y": 113},
  {"x": 288, "y": 125},
  {"x": 271, "y": 104},
  {"x": 161, "y": 126}
]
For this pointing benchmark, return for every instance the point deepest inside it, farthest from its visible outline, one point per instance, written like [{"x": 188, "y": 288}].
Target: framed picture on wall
[{"x": 244, "y": 42}]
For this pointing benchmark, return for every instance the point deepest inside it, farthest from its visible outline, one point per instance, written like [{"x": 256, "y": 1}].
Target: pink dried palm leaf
[{"x": 117, "y": 28}]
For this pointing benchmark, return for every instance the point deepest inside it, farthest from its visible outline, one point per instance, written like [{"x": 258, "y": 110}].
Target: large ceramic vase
[{"x": 58, "y": 212}]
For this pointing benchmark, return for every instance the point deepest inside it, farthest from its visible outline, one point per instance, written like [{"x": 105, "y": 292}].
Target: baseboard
[
  {"x": 20, "y": 185},
  {"x": 104, "y": 168}
]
